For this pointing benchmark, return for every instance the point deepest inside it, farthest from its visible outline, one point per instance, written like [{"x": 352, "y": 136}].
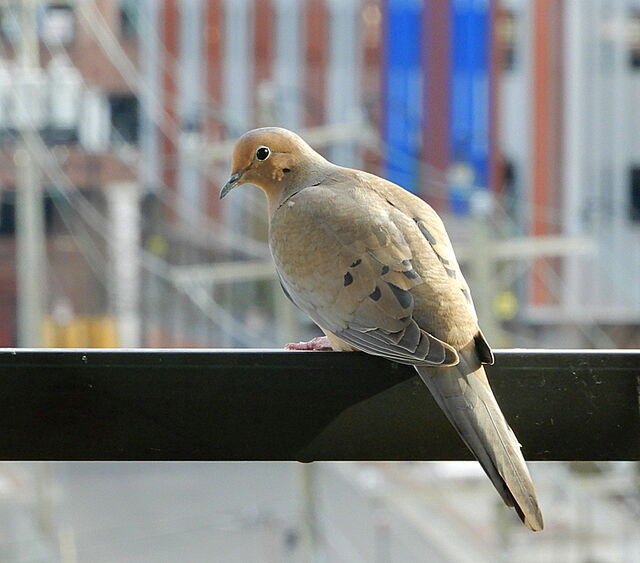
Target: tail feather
[{"x": 464, "y": 394}]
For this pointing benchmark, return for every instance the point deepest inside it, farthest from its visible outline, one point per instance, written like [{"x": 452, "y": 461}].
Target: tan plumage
[{"x": 373, "y": 266}]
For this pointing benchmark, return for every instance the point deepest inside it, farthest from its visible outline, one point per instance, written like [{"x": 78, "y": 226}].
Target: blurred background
[{"x": 517, "y": 120}]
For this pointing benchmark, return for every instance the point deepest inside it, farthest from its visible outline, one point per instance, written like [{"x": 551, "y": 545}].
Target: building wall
[
  {"x": 569, "y": 113},
  {"x": 601, "y": 149},
  {"x": 558, "y": 113},
  {"x": 85, "y": 106},
  {"x": 90, "y": 95}
]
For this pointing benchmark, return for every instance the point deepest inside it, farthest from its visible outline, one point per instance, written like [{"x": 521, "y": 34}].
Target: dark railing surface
[{"x": 305, "y": 406}]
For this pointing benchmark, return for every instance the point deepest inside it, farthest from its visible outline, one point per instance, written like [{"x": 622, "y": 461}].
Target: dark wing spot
[
  {"x": 425, "y": 231},
  {"x": 410, "y": 274},
  {"x": 402, "y": 295},
  {"x": 432, "y": 241},
  {"x": 451, "y": 273},
  {"x": 348, "y": 279},
  {"x": 466, "y": 294},
  {"x": 377, "y": 294},
  {"x": 385, "y": 270},
  {"x": 356, "y": 263}
]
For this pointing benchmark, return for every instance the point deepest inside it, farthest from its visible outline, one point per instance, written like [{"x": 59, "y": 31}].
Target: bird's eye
[{"x": 262, "y": 153}]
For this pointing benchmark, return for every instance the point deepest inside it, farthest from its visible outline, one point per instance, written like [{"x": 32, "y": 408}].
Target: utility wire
[
  {"x": 207, "y": 305},
  {"x": 212, "y": 310},
  {"x": 215, "y": 313},
  {"x": 110, "y": 45},
  {"x": 169, "y": 126}
]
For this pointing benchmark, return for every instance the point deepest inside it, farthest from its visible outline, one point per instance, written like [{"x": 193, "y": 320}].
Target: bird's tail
[{"x": 463, "y": 393}]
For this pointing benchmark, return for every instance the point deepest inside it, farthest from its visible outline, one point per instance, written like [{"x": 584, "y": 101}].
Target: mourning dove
[{"x": 373, "y": 266}]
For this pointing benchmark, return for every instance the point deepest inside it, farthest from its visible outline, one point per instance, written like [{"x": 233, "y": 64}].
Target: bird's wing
[
  {"x": 444, "y": 275},
  {"x": 364, "y": 270}
]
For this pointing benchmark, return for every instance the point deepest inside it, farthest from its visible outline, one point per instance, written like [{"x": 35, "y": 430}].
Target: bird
[{"x": 372, "y": 265}]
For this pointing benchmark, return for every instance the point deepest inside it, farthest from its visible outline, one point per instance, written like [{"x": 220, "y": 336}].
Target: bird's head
[{"x": 274, "y": 159}]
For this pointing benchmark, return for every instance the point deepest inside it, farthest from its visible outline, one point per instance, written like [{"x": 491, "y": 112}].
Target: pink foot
[{"x": 317, "y": 343}]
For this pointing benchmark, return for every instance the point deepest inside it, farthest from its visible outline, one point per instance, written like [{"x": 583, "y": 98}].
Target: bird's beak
[{"x": 232, "y": 182}]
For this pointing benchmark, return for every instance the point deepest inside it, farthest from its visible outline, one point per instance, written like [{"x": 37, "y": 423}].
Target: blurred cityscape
[
  {"x": 517, "y": 120},
  {"x": 445, "y": 512}
]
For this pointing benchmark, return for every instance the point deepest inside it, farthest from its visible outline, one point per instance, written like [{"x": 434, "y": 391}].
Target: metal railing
[{"x": 305, "y": 406}]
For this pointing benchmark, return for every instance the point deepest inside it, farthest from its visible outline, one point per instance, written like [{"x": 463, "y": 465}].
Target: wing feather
[{"x": 369, "y": 281}]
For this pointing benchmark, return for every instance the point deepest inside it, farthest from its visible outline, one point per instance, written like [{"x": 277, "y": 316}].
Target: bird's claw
[{"x": 320, "y": 343}]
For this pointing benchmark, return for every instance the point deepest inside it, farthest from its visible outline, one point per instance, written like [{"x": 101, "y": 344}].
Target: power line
[
  {"x": 109, "y": 44},
  {"x": 206, "y": 304},
  {"x": 231, "y": 240},
  {"x": 215, "y": 313},
  {"x": 432, "y": 178}
]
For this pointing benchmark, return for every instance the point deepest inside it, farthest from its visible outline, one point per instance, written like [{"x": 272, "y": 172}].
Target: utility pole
[
  {"x": 30, "y": 238},
  {"x": 123, "y": 201},
  {"x": 482, "y": 266},
  {"x": 150, "y": 164},
  {"x": 308, "y": 474}
]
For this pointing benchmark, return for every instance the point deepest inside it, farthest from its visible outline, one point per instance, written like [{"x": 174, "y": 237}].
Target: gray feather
[{"x": 463, "y": 393}]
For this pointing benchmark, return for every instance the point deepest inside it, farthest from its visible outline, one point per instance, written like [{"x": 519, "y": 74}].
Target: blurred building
[
  {"x": 514, "y": 118},
  {"x": 87, "y": 116},
  {"x": 568, "y": 114}
]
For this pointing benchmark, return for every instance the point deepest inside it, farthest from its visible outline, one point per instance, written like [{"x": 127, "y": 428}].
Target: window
[
  {"x": 129, "y": 10},
  {"x": 58, "y": 24},
  {"x": 9, "y": 24},
  {"x": 509, "y": 186},
  {"x": 8, "y": 212},
  {"x": 506, "y": 33},
  {"x": 634, "y": 40},
  {"x": 124, "y": 118},
  {"x": 634, "y": 199}
]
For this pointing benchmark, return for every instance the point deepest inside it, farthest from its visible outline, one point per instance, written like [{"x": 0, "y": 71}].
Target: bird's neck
[{"x": 278, "y": 193}]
